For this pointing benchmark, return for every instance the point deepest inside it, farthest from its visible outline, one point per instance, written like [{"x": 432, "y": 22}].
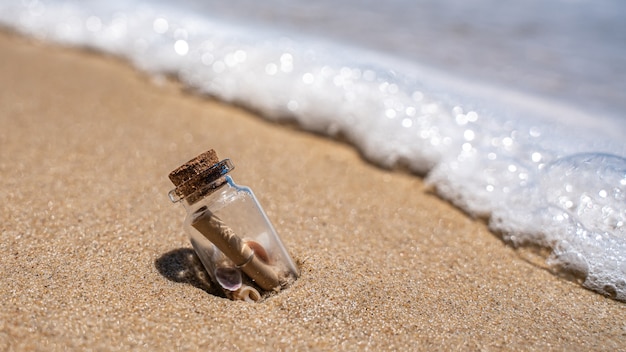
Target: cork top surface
[
  {"x": 193, "y": 167},
  {"x": 197, "y": 177}
]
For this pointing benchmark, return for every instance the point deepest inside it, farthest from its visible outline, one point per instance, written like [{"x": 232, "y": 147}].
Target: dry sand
[{"x": 94, "y": 257}]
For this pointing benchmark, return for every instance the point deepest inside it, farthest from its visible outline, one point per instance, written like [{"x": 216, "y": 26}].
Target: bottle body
[{"x": 237, "y": 244}]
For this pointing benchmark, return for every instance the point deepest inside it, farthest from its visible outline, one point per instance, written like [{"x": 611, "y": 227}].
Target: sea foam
[{"x": 542, "y": 173}]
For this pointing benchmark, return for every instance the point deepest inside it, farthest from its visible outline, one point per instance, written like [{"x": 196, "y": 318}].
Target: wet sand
[{"x": 94, "y": 256}]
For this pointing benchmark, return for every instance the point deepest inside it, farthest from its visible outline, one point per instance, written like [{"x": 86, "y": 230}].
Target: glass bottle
[{"x": 229, "y": 230}]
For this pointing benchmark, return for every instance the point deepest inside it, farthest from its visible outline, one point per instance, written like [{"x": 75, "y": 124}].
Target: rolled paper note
[{"x": 225, "y": 239}]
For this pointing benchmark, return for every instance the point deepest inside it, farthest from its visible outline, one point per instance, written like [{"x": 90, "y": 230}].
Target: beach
[{"x": 94, "y": 254}]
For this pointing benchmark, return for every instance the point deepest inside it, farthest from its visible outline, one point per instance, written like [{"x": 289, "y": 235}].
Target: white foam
[{"x": 544, "y": 173}]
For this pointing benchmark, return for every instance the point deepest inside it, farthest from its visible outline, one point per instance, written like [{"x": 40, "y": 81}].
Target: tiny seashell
[
  {"x": 246, "y": 293},
  {"x": 228, "y": 278},
  {"x": 259, "y": 251}
]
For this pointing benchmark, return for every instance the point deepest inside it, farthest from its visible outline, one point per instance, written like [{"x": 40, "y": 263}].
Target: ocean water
[{"x": 514, "y": 112}]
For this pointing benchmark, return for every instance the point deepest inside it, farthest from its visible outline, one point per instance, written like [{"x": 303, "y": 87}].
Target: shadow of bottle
[{"x": 183, "y": 265}]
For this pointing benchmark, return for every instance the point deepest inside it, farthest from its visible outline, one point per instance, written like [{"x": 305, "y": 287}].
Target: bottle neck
[{"x": 207, "y": 195}]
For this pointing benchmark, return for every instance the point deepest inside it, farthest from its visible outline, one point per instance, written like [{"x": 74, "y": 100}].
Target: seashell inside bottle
[{"x": 229, "y": 230}]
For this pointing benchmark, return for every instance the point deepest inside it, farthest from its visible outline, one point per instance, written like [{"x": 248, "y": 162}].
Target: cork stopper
[{"x": 197, "y": 174}]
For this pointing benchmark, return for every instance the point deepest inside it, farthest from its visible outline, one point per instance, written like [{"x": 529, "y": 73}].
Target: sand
[{"x": 94, "y": 256}]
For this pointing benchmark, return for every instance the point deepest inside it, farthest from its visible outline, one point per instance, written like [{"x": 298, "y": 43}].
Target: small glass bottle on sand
[{"x": 229, "y": 230}]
